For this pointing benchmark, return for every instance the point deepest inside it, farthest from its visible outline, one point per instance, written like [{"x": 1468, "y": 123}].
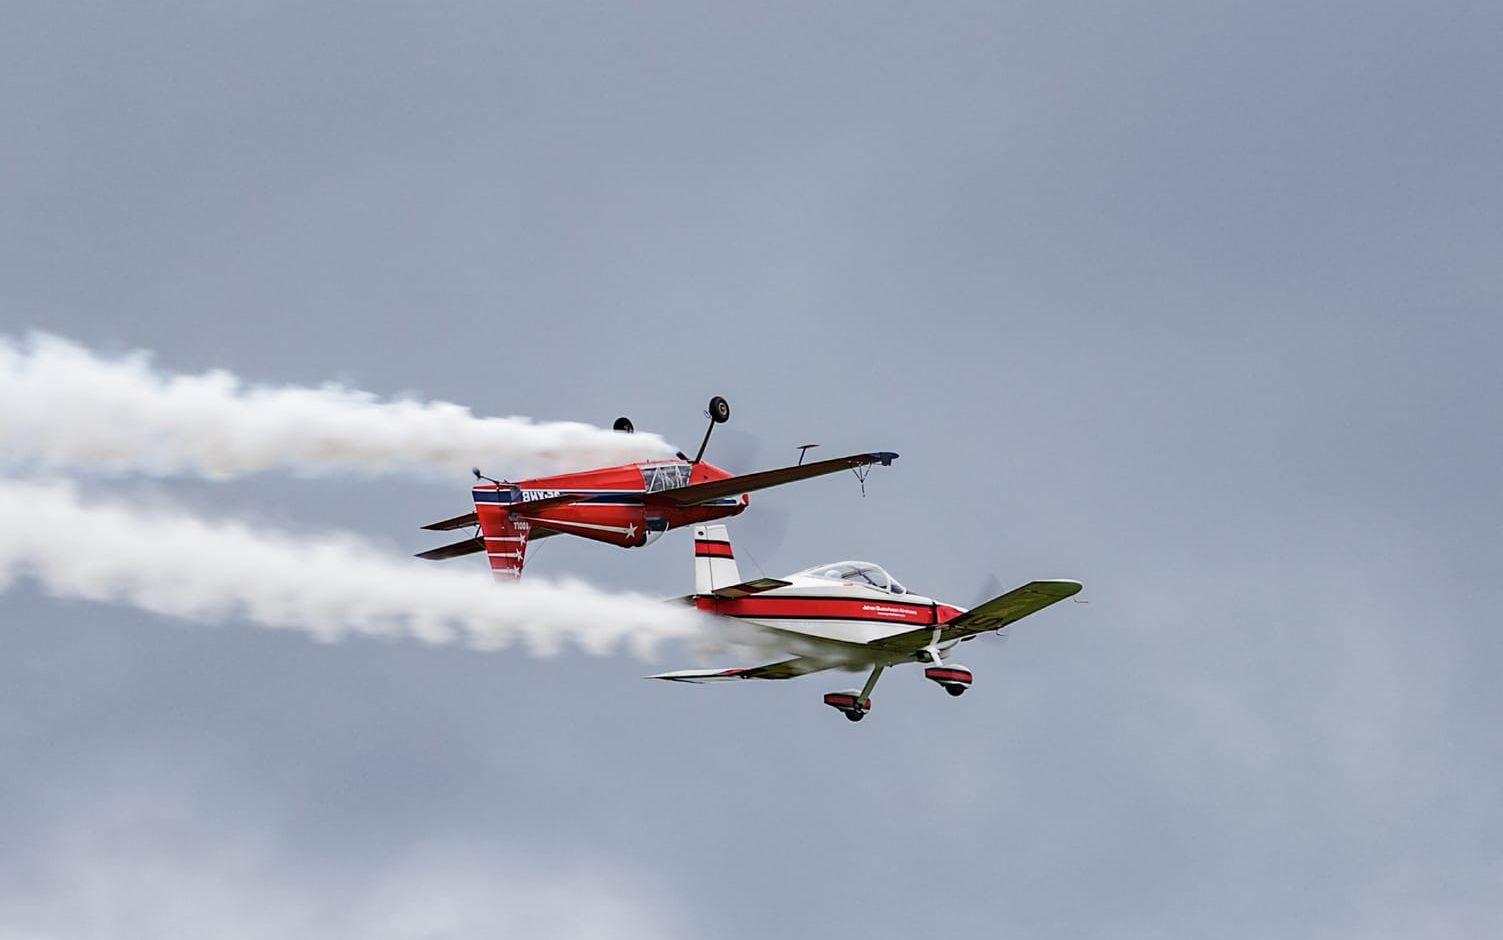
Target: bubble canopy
[{"x": 857, "y": 572}]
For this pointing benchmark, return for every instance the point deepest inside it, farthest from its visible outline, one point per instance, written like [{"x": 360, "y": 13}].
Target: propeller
[
  {"x": 738, "y": 451},
  {"x": 991, "y": 587},
  {"x": 760, "y": 532}
]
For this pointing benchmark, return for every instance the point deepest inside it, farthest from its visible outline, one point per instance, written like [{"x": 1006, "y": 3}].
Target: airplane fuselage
[
  {"x": 837, "y": 611},
  {"x": 615, "y": 504}
]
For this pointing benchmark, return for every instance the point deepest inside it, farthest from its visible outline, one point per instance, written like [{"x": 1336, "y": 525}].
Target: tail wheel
[
  {"x": 624, "y": 425},
  {"x": 720, "y": 410}
]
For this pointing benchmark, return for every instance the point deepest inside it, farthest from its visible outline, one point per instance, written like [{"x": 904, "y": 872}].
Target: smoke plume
[
  {"x": 330, "y": 586},
  {"x": 63, "y": 406}
]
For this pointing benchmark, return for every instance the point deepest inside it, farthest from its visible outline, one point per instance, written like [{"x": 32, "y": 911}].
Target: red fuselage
[{"x": 615, "y": 505}]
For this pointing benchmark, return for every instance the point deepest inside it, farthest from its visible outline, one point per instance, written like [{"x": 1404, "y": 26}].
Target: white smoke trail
[
  {"x": 62, "y": 405},
  {"x": 168, "y": 562}
]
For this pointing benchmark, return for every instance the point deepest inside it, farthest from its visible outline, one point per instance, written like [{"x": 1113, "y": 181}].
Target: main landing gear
[
  {"x": 952, "y": 677},
  {"x": 719, "y": 412},
  {"x": 851, "y": 703}
]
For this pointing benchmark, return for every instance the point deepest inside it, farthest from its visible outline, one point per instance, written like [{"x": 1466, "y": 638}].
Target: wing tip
[
  {"x": 698, "y": 675},
  {"x": 454, "y": 522}
]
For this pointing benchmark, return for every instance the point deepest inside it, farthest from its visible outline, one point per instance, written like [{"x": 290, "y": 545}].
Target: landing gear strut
[{"x": 719, "y": 412}]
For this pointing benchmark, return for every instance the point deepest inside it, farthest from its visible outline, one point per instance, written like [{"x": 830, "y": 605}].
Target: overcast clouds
[{"x": 1197, "y": 304}]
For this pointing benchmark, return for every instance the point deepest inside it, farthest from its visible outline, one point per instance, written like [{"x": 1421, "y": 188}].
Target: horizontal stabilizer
[
  {"x": 458, "y": 522},
  {"x": 529, "y": 506},
  {"x": 503, "y": 498},
  {"x": 454, "y": 550},
  {"x": 751, "y": 482},
  {"x": 751, "y": 587}
]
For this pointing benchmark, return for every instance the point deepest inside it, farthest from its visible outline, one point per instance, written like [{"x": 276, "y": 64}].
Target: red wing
[{"x": 751, "y": 482}]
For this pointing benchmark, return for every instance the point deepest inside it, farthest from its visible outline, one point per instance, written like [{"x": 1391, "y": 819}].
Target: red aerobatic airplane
[{"x": 630, "y": 505}]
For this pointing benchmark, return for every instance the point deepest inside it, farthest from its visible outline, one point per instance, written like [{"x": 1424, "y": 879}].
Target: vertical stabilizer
[
  {"x": 505, "y": 536},
  {"x": 714, "y": 562}
]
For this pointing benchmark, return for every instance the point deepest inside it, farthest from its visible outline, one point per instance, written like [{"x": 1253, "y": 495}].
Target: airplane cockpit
[
  {"x": 857, "y": 572},
  {"x": 657, "y": 477}
]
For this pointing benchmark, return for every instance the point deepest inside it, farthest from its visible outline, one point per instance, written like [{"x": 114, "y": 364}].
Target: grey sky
[{"x": 1195, "y": 303}]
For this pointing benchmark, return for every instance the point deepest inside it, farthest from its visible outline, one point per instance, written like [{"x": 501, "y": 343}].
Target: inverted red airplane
[{"x": 629, "y": 505}]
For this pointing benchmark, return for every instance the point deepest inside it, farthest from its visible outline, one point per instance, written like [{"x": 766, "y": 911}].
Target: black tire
[
  {"x": 854, "y": 715},
  {"x": 624, "y": 425},
  {"x": 955, "y": 689},
  {"x": 720, "y": 410}
]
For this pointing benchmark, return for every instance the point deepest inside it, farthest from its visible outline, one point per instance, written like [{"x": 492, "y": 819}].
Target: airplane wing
[
  {"x": 992, "y": 615},
  {"x": 477, "y": 544},
  {"x": 747, "y": 483},
  {"x": 457, "y": 522},
  {"x": 454, "y": 549},
  {"x": 787, "y": 669}
]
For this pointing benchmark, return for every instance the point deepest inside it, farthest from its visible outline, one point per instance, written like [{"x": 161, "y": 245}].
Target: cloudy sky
[{"x": 1196, "y": 303}]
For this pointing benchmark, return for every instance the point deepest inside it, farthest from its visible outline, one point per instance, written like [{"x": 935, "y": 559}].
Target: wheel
[
  {"x": 955, "y": 689},
  {"x": 854, "y": 715},
  {"x": 720, "y": 410},
  {"x": 624, "y": 425}
]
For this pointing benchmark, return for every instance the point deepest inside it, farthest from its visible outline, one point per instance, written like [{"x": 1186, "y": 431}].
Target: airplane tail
[
  {"x": 505, "y": 536},
  {"x": 714, "y": 562}
]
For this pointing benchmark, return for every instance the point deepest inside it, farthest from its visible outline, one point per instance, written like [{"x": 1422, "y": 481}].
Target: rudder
[
  {"x": 714, "y": 561},
  {"x": 505, "y": 537}
]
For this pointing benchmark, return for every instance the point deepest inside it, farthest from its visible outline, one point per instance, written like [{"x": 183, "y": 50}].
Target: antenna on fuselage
[
  {"x": 719, "y": 412},
  {"x": 803, "y": 449}
]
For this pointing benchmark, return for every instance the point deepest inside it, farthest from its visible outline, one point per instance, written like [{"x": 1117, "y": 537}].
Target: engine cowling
[{"x": 953, "y": 678}]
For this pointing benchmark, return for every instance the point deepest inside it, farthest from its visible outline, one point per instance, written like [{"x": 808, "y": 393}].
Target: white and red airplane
[{"x": 848, "y": 615}]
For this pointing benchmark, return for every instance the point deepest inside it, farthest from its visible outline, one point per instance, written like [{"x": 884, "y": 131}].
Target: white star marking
[{"x": 631, "y": 531}]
